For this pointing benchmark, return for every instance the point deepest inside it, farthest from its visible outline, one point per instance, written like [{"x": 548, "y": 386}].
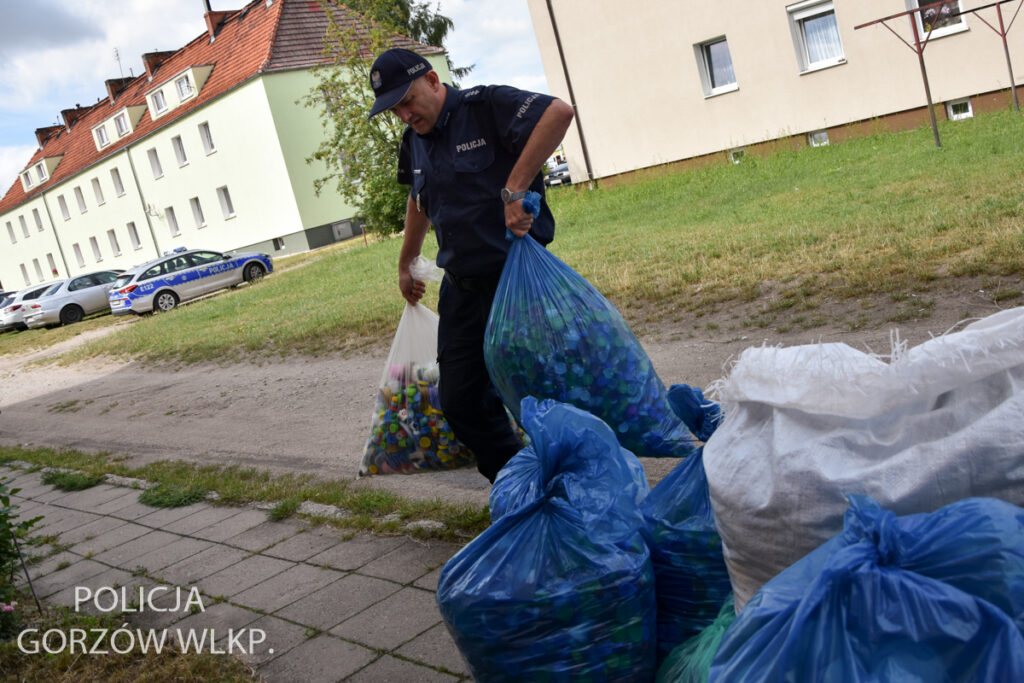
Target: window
[
  {"x": 51, "y": 263},
  {"x": 95, "y": 249},
  {"x": 133, "y": 235},
  {"x": 121, "y": 123},
  {"x": 278, "y": 243},
  {"x": 815, "y": 34},
  {"x": 10, "y": 233},
  {"x": 24, "y": 274},
  {"x": 207, "y": 138},
  {"x": 24, "y": 225},
  {"x": 715, "y": 65},
  {"x": 101, "y": 136},
  {"x": 159, "y": 103},
  {"x": 225, "y": 202},
  {"x": 959, "y": 110},
  {"x": 26, "y": 178},
  {"x": 817, "y": 138},
  {"x": 98, "y": 191},
  {"x": 41, "y": 171},
  {"x": 941, "y": 21},
  {"x": 197, "y": 212},
  {"x": 115, "y": 176},
  {"x": 154, "y": 163},
  {"x": 39, "y": 269},
  {"x": 63, "y": 207},
  {"x": 184, "y": 88},
  {"x": 172, "y": 221},
  {"x": 78, "y": 255},
  {"x": 736, "y": 155},
  {"x": 38, "y": 219},
  {"x": 80, "y": 198},
  {"x": 115, "y": 247},
  {"x": 179, "y": 150}
]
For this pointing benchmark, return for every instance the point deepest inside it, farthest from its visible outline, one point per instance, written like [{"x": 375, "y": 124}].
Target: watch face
[{"x": 506, "y": 195}]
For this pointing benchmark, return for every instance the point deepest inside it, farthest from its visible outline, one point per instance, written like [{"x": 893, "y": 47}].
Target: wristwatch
[{"x": 508, "y": 196}]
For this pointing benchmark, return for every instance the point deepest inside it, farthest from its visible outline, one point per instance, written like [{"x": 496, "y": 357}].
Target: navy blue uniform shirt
[{"x": 456, "y": 173}]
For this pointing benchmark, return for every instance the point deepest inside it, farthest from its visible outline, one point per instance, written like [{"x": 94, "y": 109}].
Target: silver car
[
  {"x": 69, "y": 301},
  {"x": 12, "y": 316},
  {"x": 162, "y": 284}
]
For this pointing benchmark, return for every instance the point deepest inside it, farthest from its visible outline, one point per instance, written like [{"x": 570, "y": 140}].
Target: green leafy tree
[{"x": 360, "y": 155}]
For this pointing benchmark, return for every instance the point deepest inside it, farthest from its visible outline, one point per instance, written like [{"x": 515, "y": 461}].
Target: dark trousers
[{"x": 470, "y": 402}]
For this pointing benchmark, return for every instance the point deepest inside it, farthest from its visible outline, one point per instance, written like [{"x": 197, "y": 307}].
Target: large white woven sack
[{"x": 807, "y": 425}]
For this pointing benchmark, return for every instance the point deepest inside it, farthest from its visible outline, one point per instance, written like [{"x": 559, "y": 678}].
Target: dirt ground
[{"x": 312, "y": 415}]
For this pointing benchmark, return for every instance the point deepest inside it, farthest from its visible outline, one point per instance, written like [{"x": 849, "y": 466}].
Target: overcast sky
[{"x": 55, "y": 54}]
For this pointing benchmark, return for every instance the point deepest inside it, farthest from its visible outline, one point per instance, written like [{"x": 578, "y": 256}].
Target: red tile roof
[{"x": 253, "y": 40}]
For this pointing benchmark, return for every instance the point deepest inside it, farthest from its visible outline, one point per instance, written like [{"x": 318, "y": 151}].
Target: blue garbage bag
[
  {"x": 560, "y": 586},
  {"x": 923, "y": 597},
  {"x": 691, "y": 661},
  {"x": 551, "y": 334},
  {"x": 686, "y": 551},
  {"x": 700, "y": 415}
]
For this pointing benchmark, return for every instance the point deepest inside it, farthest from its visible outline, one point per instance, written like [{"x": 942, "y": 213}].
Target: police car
[{"x": 162, "y": 284}]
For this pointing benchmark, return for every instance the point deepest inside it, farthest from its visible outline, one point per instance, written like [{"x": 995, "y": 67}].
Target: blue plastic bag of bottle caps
[
  {"x": 550, "y": 334},
  {"x": 923, "y": 597},
  {"x": 560, "y": 586}
]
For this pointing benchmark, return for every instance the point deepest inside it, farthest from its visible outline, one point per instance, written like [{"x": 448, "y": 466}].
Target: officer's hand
[
  {"x": 411, "y": 289},
  {"x": 517, "y": 220}
]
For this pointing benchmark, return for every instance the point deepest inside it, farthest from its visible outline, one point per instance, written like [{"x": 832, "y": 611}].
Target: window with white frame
[
  {"x": 102, "y": 139},
  {"x": 24, "y": 225},
  {"x": 80, "y": 198},
  {"x": 26, "y": 179},
  {"x": 172, "y": 221},
  {"x": 941, "y": 21},
  {"x": 115, "y": 177},
  {"x": 815, "y": 34},
  {"x": 24, "y": 274},
  {"x": 95, "y": 249},
  {"x": 41, "y": 171},
  {"x": 78, "y": 255},
  {"x": 225, "y": 202},
  {"x": 115, "y": 246},
  {"x": 10, "y": 233},
  {"x": 185, "y": 90},
  {"x": 38, "y": 219},
  {"x": 63, "y": 204},
  {"x": 39, "y": 269},
  {"x": 154, "y": 163},
  {"x": 98, "y": 191},
  {"x": 817, "y": 138},
  {"x": 133, "y": 235},
  {"x": 53, "y": 264},
  {"x": 159, "y": 102},
  {"x": 179, "y": 150},
  {"x": 958, "y": 110},
  {"x": 197, "y": 212},
  {"x": 207, "y": 138},
  {"x": 121, "y": 124},
  {"x": 715, "y": 65}
]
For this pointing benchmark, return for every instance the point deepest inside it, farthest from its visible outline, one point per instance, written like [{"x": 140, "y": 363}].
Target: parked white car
[
  {"x": 12, "y": 316},
  {"x": 69, "y": 301}
]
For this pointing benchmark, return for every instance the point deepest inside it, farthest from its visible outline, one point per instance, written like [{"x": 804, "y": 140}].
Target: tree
[{"x": 360, "y": 154}]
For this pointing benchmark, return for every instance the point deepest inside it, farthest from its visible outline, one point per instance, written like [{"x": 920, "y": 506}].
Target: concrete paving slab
[
  {"x": 177, "y": 550},
  {"x": 321, "y": 659},
  {"x": 52, "y": 516},
  {"x": 91, "y": 498},
  {"x": 436, "y": 648},
  {"x": 354, "y": 553},
  {"x": 50, "y": 564},
  {"x": 232, "y": 526},
  {"x": 169, "y": 608},
  {"x": 72, "y": 520},
  {"x": 429, "y": 580},
  {"x": 161, "y": 518},
  {"x": 242, "y": 575},
  {"x": 132, "y": 512},
  {"x": 111, "y": 539},
  {"x": 393, "y": 621},
  {"x": 111, "y": 578},
  {"x": 93, "y": 529},
  {"x": 390, "y": 669},
  {"x": 57, "y": 580},
  {"x": 281, "y": 635},
  {"x": 217, "y": 619},
  {"x": 305, "y": 545},
  {"x": 287, "y": 587},
  {"x": 188, "y": 526},
  {"x": 264, "y": 535},
  {"x": 127, "y": 497},
  {"x": 49, "y": 496},
  {"x": 125, "y": 555},
  {"x": 338, "y": 601},
  {"x": 410, "y": 561},
  {"x": 210, "y": 561}
]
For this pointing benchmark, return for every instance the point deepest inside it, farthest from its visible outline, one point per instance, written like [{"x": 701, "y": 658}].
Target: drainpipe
[{"x": 572, "y": 97}]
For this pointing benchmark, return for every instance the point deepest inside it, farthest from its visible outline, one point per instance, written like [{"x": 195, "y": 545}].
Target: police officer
[{"x": 469, "y": 156}]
